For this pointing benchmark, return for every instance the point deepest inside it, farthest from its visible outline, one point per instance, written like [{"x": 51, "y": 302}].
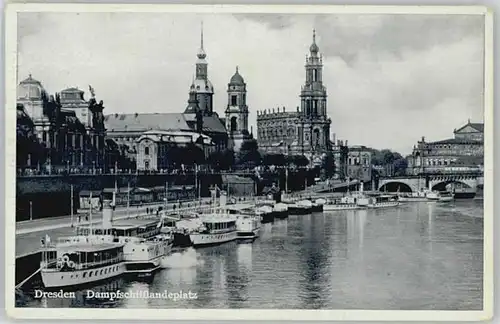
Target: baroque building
[
  {"x": 201, "y": 84},
  {"x": 237, "y": 112},
  {"x": 64, "y": 141},
  {"x": 159, "y": 150},
  {"x": 359, "y": 163},
  {"x": 464, "y": 152},
  {"x": 305, "y": 131},
  {"x": 198, "y": 116}
]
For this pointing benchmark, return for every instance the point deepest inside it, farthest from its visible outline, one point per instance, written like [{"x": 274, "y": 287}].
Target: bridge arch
[
  {"x": 442, "y": 186},
  {"x": 394, "y": 186}
]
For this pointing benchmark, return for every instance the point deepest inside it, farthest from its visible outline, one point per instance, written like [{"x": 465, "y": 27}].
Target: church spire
[
  {"x": 201, "y": 52},
  {"x": 314, "y": 49}
]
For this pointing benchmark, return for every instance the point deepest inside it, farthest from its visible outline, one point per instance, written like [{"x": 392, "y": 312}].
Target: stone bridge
[{"x": 432, "y": 181}]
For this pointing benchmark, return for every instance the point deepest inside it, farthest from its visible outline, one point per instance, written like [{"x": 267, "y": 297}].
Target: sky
[{"x": 391, "y": 79}]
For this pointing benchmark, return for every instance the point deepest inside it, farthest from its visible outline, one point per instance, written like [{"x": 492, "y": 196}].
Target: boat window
[
  {"x": 101, "y": 272},
  {"x": 62, "y": 277},
  {"x": 90, "y": 274},
  {"x": 84, "y": 274}
]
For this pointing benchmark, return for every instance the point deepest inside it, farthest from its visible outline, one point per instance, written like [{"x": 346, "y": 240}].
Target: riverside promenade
[{"x": 29, "y": 233}]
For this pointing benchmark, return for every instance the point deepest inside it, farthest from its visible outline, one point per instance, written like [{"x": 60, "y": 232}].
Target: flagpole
[
  {"x": 128, "y": 198},
  {"x": 166, "y": 197},
  {"x": 90, "y": 214},
  {"x": 72, "y": 206}
]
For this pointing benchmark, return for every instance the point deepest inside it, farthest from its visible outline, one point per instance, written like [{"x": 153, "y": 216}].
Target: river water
[{"x": 418, "y": 256}]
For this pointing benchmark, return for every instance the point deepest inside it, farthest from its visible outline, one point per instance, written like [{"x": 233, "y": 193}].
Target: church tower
[
  {"x": 237, "y": 111},
  {"x": 202, "y": 85},
  {"x": 315, "y": 124}
]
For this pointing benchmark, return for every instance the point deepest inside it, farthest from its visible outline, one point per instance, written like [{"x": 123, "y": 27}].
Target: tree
[
  {"x": 328, "y": 165},
  {"x": 386, "y": 157},
  {"x": 221, "y": 160},
  {"x": 297, "y": 160},
  {"x": 274, "y": 159},
  {"x": 249, "y": 154}
]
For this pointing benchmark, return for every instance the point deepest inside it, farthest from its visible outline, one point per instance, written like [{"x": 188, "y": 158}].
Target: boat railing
[
  {"x": 87, "y": 265},
  {"x": 51, "y": 263}
]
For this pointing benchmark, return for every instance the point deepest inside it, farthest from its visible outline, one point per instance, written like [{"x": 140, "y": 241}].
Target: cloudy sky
[{"x": 390, "y": 78}]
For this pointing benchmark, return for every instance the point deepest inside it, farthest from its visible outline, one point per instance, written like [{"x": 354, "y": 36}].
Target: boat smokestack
[
  {"x": 107, "y": 212},
  {"x": 223, "y": 198}
]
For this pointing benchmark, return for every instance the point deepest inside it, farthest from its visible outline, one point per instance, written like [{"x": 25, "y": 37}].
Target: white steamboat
[
  {"x": 71, "y": 263},
  {"x": 217, "y": 227},
  {"x": 247, "y": 227},
  {"x": 144, "y": 244},
  {"x": 344, "y": 203},
  {"x": 383, "y": 201}
]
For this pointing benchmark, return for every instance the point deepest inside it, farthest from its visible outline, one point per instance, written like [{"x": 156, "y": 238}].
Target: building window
[
  {"x": 315, "y": 75},
  {"x": 146, "y": 150},
  {"x": 233, "y": 100},
  {"x": 146, "y": 165},
  {"x": 234, "y": 124}
]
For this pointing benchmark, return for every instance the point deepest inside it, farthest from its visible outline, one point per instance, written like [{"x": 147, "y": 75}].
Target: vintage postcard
[{"x": 249, "y": 162}]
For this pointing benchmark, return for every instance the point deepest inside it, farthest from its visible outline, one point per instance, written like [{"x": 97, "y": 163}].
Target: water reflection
[{"x": 416, "y": 256}]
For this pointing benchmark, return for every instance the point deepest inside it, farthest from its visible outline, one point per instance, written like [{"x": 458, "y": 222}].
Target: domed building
[
  {"x": 64, "y": 140},
  {"x": 34, "y": 98}
]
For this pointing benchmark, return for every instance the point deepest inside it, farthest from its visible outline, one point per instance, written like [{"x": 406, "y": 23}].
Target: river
[{"x": 418, "y": 256}]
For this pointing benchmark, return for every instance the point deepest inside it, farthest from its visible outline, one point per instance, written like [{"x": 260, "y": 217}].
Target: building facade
[
  {"x": 340, "y": 153},
  {"x": 199, "y": 117},
  {"x": 359, "y": 163},
  {"x": 65, "y": 142},
  {"x": 237, "y": 112},
  {"x": 305, "y": 131},
  {"x": 161, "y": 150},
  {"x": 462, "y": 153},
  {"x": 201, "y": 84}
]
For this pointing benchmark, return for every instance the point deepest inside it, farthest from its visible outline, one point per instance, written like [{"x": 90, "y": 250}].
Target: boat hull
[
  {"x": 203, "y": 239},
  {"x": 60, "y": 279},
  {"x": 248, "y": 235},
  {"x": 295, "y": 210},
  {"x": 384, "y": 204},
  {"x": 267, "y": 218},
  {"x": 182, "y": 240},
  {"x": 281, "y": 214},
  {"x": 317, "y": 209},
  {"x": 412, "y": 199},
  {"x": 335, "y": 207},
  {"x": 465, "y": 195}
]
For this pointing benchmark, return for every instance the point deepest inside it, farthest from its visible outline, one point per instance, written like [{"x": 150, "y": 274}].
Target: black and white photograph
[{"x": 264, "y": 162}]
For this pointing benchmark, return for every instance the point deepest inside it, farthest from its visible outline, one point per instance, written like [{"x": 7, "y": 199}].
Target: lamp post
[
  {"x": 31, "y": 210},
  {"x": 71, "y": 192},
  {"x": 93, "y": 167}
]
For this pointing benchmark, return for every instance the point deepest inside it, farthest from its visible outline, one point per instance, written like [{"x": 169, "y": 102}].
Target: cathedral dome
[
  {"x": 202, "y": 86},
  {"x": 237, "y": 79},
  {"x": 31, "y": 89}
]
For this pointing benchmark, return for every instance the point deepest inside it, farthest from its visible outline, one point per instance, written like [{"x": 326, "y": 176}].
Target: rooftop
[
  {"x": 455, "y": 141},
  {"x": 145, "y": 122}
]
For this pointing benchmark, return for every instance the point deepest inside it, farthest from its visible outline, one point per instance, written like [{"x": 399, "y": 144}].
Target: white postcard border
[{"x": 242, "y": 314}]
